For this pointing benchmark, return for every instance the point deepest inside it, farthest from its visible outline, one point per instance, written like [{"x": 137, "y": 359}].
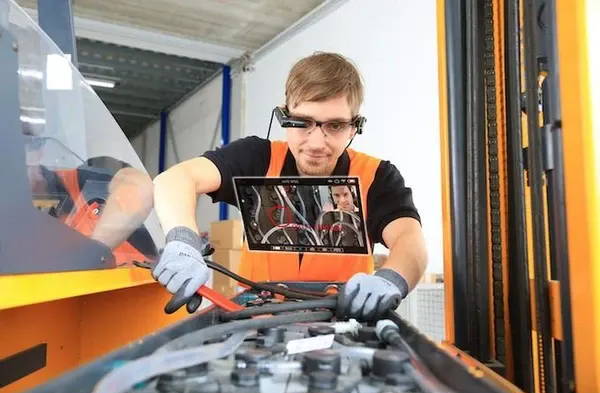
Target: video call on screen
[{"x": 302, "y": 214}]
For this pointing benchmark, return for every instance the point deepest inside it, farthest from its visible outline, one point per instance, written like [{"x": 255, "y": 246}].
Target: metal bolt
[{"x": 15, "y": 47}]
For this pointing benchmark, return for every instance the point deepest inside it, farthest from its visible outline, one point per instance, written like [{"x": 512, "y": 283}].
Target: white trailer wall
[{"x": 192, "y": 126}]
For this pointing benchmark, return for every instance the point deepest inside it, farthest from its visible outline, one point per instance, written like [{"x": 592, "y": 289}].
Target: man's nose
[{"x": 316, "y": 138}]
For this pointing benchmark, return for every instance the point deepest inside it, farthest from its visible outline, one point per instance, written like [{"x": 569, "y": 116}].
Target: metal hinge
[{"x": 547, "y": 147}]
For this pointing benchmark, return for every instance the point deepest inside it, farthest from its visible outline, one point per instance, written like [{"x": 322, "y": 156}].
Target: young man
[
  {"x": 325, "y": 90},
  {"x": 343, "y": 198}
]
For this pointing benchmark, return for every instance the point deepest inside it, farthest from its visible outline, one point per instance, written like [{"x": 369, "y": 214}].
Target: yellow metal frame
[
  {"x": 79, "y": 315},
  {"x": 479, "y": 370},
  {"x": 25, "y": 289},
  {"x": 445, "y": 175},
  {"x": 578, "y": 48}
]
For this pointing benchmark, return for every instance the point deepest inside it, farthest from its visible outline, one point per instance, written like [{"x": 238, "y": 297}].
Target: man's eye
[{"x": 335, "y": 126}]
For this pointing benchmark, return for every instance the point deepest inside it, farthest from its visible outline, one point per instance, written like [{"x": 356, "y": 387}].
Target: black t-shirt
[{"x": 387, "y": 199}]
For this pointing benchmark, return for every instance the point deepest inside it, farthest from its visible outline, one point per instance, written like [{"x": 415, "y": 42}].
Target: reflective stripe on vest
[{"x": 261, "y": 266}]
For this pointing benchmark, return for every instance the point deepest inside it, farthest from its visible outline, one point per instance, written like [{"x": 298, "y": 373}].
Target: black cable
[
  {"x": 330, "y": 302},
  {"x": 270, "y": 123},
  {"x": 198, "y": 337},
  {"x": 349, "y": 143},
  {"x": 290, "y": 293},
  {"x": 295, "y": 294},
  {"x": 209, "y": 250}
]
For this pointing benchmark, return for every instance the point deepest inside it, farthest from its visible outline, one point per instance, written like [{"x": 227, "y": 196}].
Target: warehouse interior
[{"x": 107, "y": 98}]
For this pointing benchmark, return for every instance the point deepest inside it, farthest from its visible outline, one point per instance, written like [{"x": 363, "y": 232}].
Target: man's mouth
[{"x": 311, "y": 156}]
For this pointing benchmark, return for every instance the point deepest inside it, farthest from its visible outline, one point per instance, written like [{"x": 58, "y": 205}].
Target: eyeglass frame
[{"x": 288, "y": 121}]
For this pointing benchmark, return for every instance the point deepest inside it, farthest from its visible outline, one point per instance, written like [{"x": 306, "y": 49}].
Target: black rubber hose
[
  {"x": 290, "y": 293},
  {"x": 329, "y": 302},
  {"x": 200, "y": 336}
]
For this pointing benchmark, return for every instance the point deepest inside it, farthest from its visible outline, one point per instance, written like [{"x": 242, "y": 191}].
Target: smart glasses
[{"x": 333, "y": 127}]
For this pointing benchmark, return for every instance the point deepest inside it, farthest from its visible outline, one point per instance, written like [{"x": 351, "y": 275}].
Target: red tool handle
[
  {"x": 177, "y": 301},
  {"x": 218, "y": 300}
]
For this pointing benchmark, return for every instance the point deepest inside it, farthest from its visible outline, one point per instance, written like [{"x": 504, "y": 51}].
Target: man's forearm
[
  {"x": 176, "y": 192},
  {"x": 408, "y": 254},
  {"x": 175, "y": 201}
]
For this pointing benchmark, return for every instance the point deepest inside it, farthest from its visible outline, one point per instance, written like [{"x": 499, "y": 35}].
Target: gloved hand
[
  {"x": 182, "y": 269},
  {"x": 369, "y": 297}
]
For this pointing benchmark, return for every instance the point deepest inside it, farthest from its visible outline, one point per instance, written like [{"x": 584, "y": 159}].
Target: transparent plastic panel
[{"x": 82, "y": 169}]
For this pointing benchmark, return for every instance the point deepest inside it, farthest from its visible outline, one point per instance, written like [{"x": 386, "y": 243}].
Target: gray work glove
[
  {"x": 369, "y": 297},
  {"x": 181, "y": 268}
]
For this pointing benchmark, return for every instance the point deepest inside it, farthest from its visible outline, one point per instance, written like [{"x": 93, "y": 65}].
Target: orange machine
[{"x": 67, "y": 319}]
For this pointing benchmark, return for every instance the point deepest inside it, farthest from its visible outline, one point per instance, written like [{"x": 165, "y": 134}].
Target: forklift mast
[{"x": 513, "y": 196}]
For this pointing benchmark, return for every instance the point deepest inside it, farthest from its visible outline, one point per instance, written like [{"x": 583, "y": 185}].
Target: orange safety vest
[
  {"x": 267, "y": 266},
  {"x": 86, "y": 215}
]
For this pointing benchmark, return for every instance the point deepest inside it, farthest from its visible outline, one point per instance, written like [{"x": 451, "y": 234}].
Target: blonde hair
[{"x": 322, "y": 76}]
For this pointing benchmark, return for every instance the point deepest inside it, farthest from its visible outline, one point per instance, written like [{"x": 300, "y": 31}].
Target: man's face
[
  {"x": 315, "y": 152},
  {"x": 342, "y": 197}
]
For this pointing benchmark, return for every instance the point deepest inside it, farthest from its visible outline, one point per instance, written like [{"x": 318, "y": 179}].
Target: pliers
[{"x": 179, "y": 300}]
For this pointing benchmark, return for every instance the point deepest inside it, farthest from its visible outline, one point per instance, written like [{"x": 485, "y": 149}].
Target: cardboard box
[
  {"x": 227, "y": 234},
  {"x": 231, "y": 260},
  {"x": 225, "y": 286},
  {"x": 228, "y": 258},
  {"x": 379, "y": 260}
]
